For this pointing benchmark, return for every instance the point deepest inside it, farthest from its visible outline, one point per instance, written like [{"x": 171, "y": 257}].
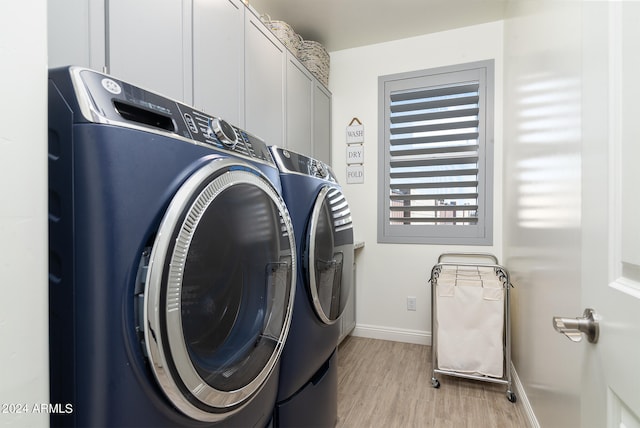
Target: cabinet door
[
  {"x": 76, "y": 33},
  {"x": 218, "y": 58},
  {"x": 299, "y": 104},
  {"x": 149, "y": 45},
  {"x": 265, "y": 61},
  {"x": 321, "y": 123}
]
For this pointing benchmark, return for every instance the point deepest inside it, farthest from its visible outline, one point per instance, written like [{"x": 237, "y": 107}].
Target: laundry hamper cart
[{"x": 471, "y": 331}]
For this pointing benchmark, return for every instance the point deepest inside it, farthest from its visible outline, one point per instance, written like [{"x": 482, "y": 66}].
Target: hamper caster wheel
[
  {"x": 511, "y": 396},
  {"x": 435, "y": 382}
]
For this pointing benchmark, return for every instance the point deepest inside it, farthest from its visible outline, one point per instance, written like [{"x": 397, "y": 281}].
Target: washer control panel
[{"x": 109, "y": 100}]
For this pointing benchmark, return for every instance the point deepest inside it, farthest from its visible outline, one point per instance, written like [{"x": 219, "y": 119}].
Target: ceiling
[{"x": 344, "y": 24}]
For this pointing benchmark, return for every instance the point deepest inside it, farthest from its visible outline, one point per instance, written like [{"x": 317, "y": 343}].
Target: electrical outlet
[{"x": 411, "y": 303}]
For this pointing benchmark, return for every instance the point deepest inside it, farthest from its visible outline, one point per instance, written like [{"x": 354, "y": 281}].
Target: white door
[{"x": 611, "y": 204}]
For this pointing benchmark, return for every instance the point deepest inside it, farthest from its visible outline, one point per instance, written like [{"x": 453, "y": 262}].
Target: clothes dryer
[
  {"x": 323, "y": 227},
  {"x": 171, "y": 261}
]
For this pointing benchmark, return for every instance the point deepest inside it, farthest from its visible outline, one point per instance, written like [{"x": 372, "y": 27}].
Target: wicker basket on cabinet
[{"x": 316, "y": 58}]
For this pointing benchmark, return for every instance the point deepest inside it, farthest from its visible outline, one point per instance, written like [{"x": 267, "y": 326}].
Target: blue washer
[
  {"x": 171, "y": 261},
  {"x": 307, "y": 395}
]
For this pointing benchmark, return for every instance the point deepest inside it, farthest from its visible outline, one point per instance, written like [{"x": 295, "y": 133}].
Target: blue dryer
[
  {"x": 308, "y": 390},
  {"x": 171, "y": 261}
]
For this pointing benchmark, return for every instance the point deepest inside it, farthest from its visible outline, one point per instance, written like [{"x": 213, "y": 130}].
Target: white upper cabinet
[
  {"x": 218, "y": 58},
  {"x": 149, "y": 45},
  {"x": 299, "y": 107},
  {"x": 265, "y": 68},
  {"x": 76, "y": 33},
  {"x": 308, "y": 110},
  {"x": 321, "y": 123},
  {"x": 145, "y": 42},
  {"x": 216, "y": 55}
]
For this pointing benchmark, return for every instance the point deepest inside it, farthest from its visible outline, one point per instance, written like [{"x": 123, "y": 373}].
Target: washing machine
[
  {"x": 171, "y": 261},
  {"x": 323, "y": 227}
]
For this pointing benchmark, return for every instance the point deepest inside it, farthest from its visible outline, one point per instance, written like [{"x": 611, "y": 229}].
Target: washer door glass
[
  {"x": 329, "y": 250},
  {"x": 218, "y": 295}
]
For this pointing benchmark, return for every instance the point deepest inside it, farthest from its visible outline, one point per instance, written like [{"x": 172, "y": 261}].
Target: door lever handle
[{"x": 574, "y": 327}]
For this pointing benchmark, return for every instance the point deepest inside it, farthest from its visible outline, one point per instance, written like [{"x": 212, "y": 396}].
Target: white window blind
[{"x": 436, "y": 186}]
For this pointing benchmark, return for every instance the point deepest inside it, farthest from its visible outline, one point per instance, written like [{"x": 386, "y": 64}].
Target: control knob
[
  {"x": 318, "y": 169},
  {"x": 223, "y": 131}
]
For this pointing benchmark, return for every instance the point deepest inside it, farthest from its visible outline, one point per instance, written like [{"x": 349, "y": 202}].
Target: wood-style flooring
[{"x": 388, "y": 384}]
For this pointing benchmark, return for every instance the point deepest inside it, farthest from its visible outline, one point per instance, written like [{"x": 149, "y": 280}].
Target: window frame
[{"x": 482, "y": 232}]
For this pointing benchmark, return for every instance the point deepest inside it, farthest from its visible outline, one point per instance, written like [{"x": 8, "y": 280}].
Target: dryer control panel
[
  {"x": 298, "y": 163},
  {"x": 105, "y": 99}
]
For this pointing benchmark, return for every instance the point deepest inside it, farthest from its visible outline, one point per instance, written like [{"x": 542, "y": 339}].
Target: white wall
[
  {"x": 23, "y": 211},
  {"x": 388, "y": 273},
  {"x": 543, "y": 157}
]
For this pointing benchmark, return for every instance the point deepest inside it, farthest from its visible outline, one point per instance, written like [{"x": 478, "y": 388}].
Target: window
[{"x": 436, "y": 156}]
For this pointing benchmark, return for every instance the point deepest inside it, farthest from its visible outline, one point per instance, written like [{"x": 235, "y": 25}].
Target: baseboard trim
[
  {"x": 522, "y": 399},
  {"x": 418, "y": 337}
]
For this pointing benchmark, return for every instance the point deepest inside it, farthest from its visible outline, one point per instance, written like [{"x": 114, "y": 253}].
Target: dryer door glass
[
  {"x": 329, "y": 250},
  {"x": 221, "y": 279}
]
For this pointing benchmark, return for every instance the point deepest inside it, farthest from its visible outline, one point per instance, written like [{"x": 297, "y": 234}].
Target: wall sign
[
  {"x": 355, "y": 154},
  {"x": 355, "y": 174},
  {"x": 355, "y": 133}
]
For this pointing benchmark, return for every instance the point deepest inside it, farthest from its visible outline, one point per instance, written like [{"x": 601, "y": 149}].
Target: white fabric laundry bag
[{"x": 470, "y": 325}]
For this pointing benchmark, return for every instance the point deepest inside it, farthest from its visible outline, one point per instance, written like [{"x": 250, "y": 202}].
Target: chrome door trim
[
  {"x": 313, "y": 227},
  {"x": 329, "y": 193},
  {"x": 161, "y": 355}
]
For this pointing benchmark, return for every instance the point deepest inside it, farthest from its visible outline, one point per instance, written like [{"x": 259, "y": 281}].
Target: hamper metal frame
[{"x": 503, "y": 275}]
